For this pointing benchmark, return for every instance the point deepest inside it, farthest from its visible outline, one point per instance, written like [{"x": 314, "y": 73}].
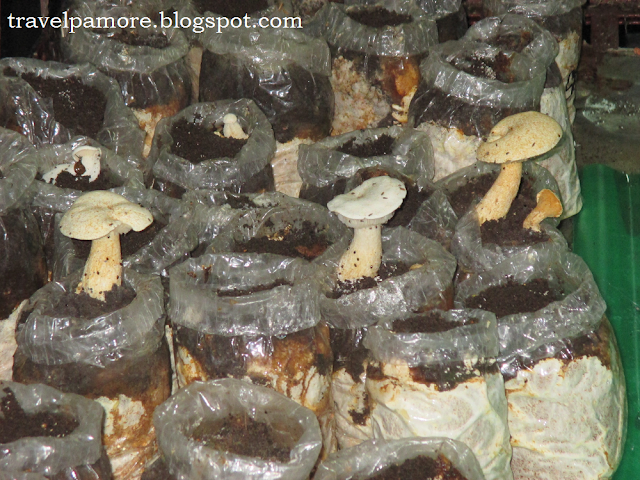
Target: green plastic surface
[{"x": 607, "y": 237}]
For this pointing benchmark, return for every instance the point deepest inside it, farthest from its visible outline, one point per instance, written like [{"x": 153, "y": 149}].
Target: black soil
[
  {"x": 514, "y": 41},
  {"x": 81, "y": 305},
  {"x": 242, "y": 435},
  {"x": 511, "y": 297},
  {"x": 133, "y": 38},
  {"x": 452, "y": 26},
  {"x": 471, "y": 192},
  {"x": 77, "y": 106},
  {"x": 305, "y": 242},
  {"x": 83, "y": 183},
  {"x": 497, "y": 67},
  {"x": 387, "y": 270},
  {"x": 15, "y": 423},
  {"x": 231, "y": 8},
  {"x": 130, "y": 242},
  {"x": 158, "y": 470},
  {"x": 198, "y": 143},
  {"x": 431, "y": 322},
  {"x": 378, "y": 17},
  {"x": 237, "y": 292},
  {"x": 421, "y": 468},
  {"x": 382, "y": 145},
  {"x": 348, "y": 351}
]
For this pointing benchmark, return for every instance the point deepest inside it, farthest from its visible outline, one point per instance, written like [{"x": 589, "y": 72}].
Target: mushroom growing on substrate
[
  {"x": 86, "y": 163},
  {"x": 365, "y": 209},
  {"x": 548, "y": 206},
  {"x": 512, "y": 141},
  {"x": 101, "y": 217}
]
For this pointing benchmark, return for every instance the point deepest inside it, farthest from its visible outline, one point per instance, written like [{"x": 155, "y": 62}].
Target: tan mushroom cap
[
  {"x": 96, "y": 214},
  {"x": 519, "y": 137}
]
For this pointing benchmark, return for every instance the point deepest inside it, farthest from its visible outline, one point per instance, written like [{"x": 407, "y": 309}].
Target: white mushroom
[
  {"x": 365, "y": 209},
  {"x": 232, "y": 128},
  {"x": 86, "y": 164},
  {"x": 102, "y": 216},
  {"x": 549, "y": 206},
  {"x": 512, "y": 141}
]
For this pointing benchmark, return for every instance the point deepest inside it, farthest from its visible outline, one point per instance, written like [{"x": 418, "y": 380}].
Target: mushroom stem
[
  {"x": 103, "y": 269},
  {"x": 364, "y": 255},
  {"x": 497, "y": 201},
  {"x": 549, "y": 205}
]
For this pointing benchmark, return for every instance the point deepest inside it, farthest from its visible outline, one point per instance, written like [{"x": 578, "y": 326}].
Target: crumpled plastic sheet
[
  {"x": 216, "y": 173},
  {"x": 18, "y": 166},
  {"x": 427, "y": 285},
  {"x": 440, "y": 8},
  {"x": 369, "y": 458},
  {"x": 35, "y": 115},
  {"x": 531, "y": 9},
  {"x": 51, "y": 455},
  {"x": 177, "y": 417},
  {"x": 132, "y": 331},
  {"x": 321, "y": 164}
]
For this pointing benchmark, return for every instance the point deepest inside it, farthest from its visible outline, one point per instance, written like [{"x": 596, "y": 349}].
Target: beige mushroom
[
  {"x": 549, "y": 206},
  {"x": 101, "y": 217},
  {"x": 365, "y": 209},
  {"x": 512, "y": 141},
  {"x": 233, "y": 129},
  {"x": 86, "y": 163}
]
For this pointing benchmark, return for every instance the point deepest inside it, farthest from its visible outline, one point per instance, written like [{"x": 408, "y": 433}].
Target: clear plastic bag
[
  {"x": 564, "y": 382},
  {"x": 75, "y": 455},
  {"x": 370, "y": 458},
  {"x": 450, "y": 16},
  {"x": 325, "y": 170},
  {"x": 213, "y": 402},
  {"x": 253, "y": 317},
  {"x": 34, "y": 116},
  {"x": 119, "y": 359},
  {"x": 466, "y": 88},
  {"x": 148, "y": 63},
  {"x": 374, "y": 70},
  {"x": 445, "y": 383},
  {"x": 249, "y": 171}
]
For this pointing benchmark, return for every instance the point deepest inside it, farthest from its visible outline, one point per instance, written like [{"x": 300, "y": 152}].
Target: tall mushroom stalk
[
  {"x": 512, "y": 141},
  {"x": 365, "y": 209},
  {"x": 101, "y": 217},
  {"x": 548, "y": 206}
]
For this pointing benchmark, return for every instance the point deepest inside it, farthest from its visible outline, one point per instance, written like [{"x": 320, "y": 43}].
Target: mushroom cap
[
  {"x": 371, "y": 203},
  {"x": 550, "y": 202},
  {"x": 230, "y": 118},
  {"x": 96, "y": 214},
  {"x": 519, "y": 137}
]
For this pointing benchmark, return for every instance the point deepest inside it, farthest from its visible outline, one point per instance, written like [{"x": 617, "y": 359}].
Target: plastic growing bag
[
  {"x": 373, "y": 457},
  {"x": 41, "y": 115},
  {"x": 564, "y": 383},
  {"x": 118, "y": 359},
  {"x": 213, "y": 403},
  {"x": 78, "y": 454},
  {"x": 466, "y": 88},
  {"x": 253, "y": 317},
  {"x": 374, "y": 69},
  {"x": 148, "y": 63},
  {"x": 325, "y": 170},
  {"x": 450, "y": 16},
  {"x": 444, "y": 383},
  {"x": 249, "y": 171}
]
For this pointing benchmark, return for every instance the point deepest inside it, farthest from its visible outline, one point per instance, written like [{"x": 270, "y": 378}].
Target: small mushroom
[
  {"x": 232, "y": 128},
  {"x": 512, "y": 141},
  {"x": 101, "y": 217},
  {"x": 86, "y": 164},
  {"x": 365, "y": 209},
  {"x": 549, "y": 206}
]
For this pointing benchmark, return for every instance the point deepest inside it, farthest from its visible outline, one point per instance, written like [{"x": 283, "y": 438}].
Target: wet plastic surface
[{"x": 607, "y": 237}]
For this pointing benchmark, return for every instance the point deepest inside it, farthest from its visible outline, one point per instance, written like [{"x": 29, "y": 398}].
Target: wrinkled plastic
[
  {"x": 53, "y": 455},
  {"x": 580, "y": 393},
  {"x": 35, "y": 118},
  {"x": 440, "y": 7},
  {"x": 134, "y": 330},
  {"x": 370, "y": 458},
  {"x": 321, "y": 165},
  {"x": 475, "y": 392},
  {"x": 531, "y": 8},
  {"x": 20, "y": 245},
  {"x": 428, "y": 285},
  {"x": 183, "y": 412},
  {"x": 240, "y": 174}
]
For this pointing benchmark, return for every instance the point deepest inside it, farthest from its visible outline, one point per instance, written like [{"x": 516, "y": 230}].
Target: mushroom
[
  {"x": 549, "y": 206},
  {"x": 232, "y": 128},
  {"x": 86, "y": 164},
  {"x": 512, "y": 141},
  {"x": 365, "y": 209},
  {"x": 101, "y": 217}
]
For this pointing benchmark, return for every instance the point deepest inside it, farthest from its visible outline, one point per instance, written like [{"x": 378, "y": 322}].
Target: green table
[{"x": 607, "y": 237}]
